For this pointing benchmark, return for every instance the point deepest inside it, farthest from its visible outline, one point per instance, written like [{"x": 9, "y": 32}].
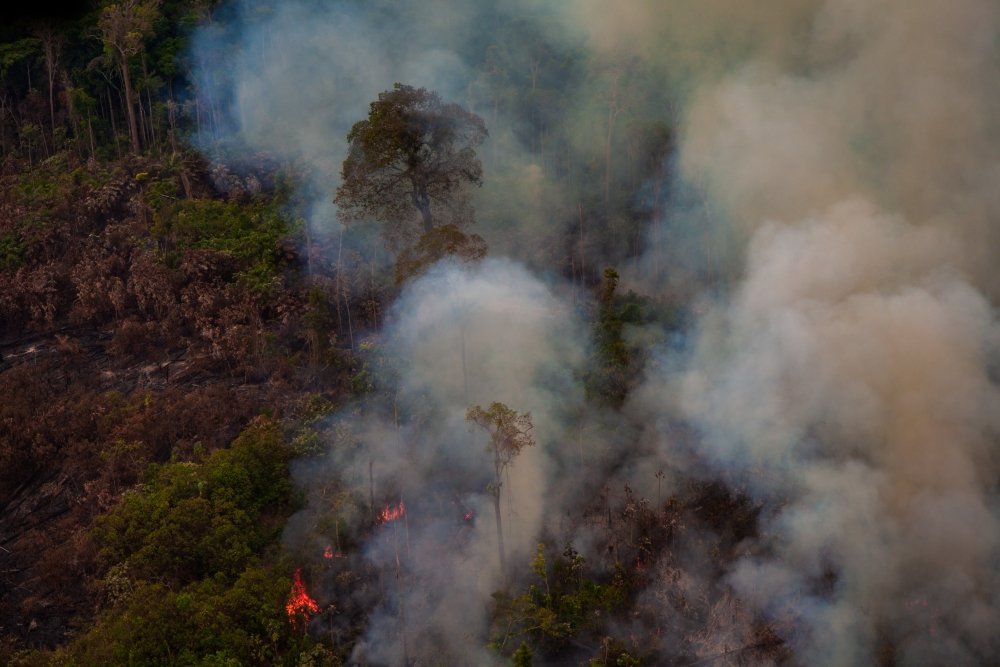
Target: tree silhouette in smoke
[
  {"x": 510, "y": 432},
  {"x": 409, "y": 166}
]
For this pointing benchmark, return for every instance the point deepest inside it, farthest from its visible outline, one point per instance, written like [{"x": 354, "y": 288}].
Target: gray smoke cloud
[
  {"x": 850, "y": 379},
  {"x": 458, "y": 336},
  {"x": 291, "y": 78},
  {"x": 834, "y": 180}
]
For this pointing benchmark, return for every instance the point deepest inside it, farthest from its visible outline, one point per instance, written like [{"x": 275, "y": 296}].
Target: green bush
[
  {"x": 249, "y": 233},
  {"x": 194, "y": 575},
  {"x": 618, "y": 361},
  {"x": 210, "y": 622},
  {"x": 562, "y": 603},
  {"x": 196, "y": 520},
  {"x": 11, "y": 251}
]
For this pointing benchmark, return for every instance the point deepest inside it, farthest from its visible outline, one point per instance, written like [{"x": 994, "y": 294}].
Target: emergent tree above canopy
[{"x": 411, "y": 161}]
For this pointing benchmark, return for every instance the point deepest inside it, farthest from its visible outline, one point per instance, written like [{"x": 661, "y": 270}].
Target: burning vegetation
[
  {"x": 391, "y": 513},
  {"x": 300, "y": 607},
  {"x": 675, "y": 324}
]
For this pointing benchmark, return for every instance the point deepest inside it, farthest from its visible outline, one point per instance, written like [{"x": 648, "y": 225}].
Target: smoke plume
[
  {"x": 848, "y": 380},
  {"x": 830, "y": 206},
  {"x": 458, "y": 336}
]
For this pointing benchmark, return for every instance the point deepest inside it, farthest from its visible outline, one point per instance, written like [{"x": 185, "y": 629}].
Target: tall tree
[
  {"x": 51, "y": 41},
  {"x": 123, "y": 27},
  {"x": 410, "y": 164},
  {"x": 510, "y": 432}
]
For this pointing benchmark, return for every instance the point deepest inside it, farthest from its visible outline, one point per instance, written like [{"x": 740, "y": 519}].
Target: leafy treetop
[{"x": 415, "y": 151}]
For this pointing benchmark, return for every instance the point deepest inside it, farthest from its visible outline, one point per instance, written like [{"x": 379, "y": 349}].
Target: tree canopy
[{"x": 410, "y": 164}]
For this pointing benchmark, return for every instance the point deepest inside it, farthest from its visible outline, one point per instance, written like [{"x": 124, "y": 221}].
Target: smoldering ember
[{"x": 402, "y": 332}]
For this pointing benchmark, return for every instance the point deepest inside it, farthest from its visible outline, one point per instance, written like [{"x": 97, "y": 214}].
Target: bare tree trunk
[
  {"x": 149, "y": 102},
  {"x": 114, "y": 128},
  {"x": 583, "y": 275},
  {"x": 3, "y": 129},
  {"x": 90, "y": 133},
  {"x": 133, "y": 127},
  {"x": 350, "y": 324},
  {"x": 172, "y": 123},
  {"x": 307, "y": 230},
  {"x": 536, "y": 144},
  {"x": 374, "y": 297},
  {"x": 614, "y": 108},
  {"x": 371, "y": 490},
  {"x": 497, "y": 485},
  {"x": 143, "y": 130},
  {"x": 399, "y": 594},
  {"x": 45, "y": 143},
  {"x": 465, "y": 372},
  {"x": 74, "y": 115},
  {"x": 48, "y": 43},
  {"x": 496, "y": 511},
  {"x": 656, "y": 226},
  {"x": 607, "y": 153},
  {"x": 340, "y": 270}
]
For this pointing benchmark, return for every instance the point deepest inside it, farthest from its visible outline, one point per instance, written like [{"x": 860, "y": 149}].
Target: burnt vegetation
[{"x": 173, "y": 341}]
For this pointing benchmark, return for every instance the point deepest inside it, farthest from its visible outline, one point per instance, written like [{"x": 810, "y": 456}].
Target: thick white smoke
[
  {"x": 849, "y": 378},
  {"x": 458, "y": 336},
  {"x": 843, "y": 156}
]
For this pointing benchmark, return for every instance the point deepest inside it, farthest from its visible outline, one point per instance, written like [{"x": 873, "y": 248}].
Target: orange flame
[
  {"x": 391, "y": 514},
  {"x": 300, "y": 606},
  {"x": 328, "y": 553}
]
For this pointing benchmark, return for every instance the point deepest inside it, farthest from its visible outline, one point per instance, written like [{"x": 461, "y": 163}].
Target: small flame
[
  {"x": 391, "y": 513},
  {"x": 469, "y": 516},
  {"x": 300, "y": 606},
  {"x": 328, "y": 553}
]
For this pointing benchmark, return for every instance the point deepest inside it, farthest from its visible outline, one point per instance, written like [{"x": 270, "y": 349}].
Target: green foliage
[
  {"x": 38, "y": 187},
  {"x": 210, "y": 622},
  {"x": 522, "y": 656},
  {"x": 614, "y": 654},
  {"x": 11, "y": 251},
  {"x": 191, "y": 520},
  {"x": 377, "y": 374},
  {"x": 412, "y": 153},
  {"x": 187, "y": 584},
  {"x": 53, "y": 181},
  {"x": 618, "y": 361},
  {"x": 609, "y": 285},
  {"x": 318, "y": 317},
  {"x": 309, "y": 438},
  {"x": 510, "y": 431},
  {"x": 12, "y": 53},
  {"x": 562, "y": 603},
  {"x": 247, "y": 233},
  {"x": 319, "y": 324}
]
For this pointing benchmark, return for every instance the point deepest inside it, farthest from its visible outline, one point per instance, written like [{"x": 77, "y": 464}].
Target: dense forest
[{"x": 430, "y": 332}]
